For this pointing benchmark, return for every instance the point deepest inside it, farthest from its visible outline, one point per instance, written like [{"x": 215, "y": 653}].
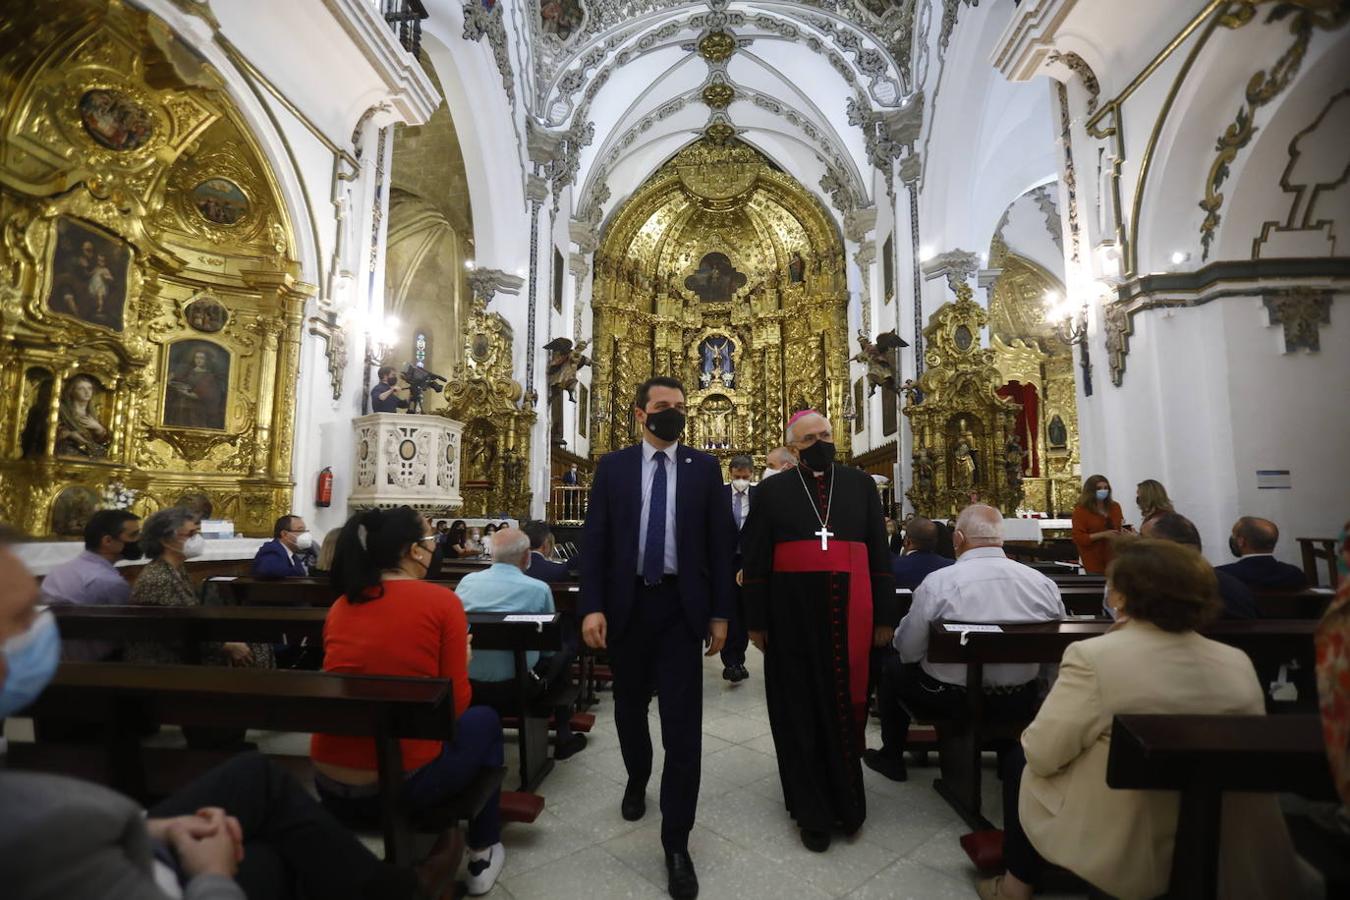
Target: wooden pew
[
  {"x": 1268, "y": 642},
  {"x": 1310, "y": 603},
  {"x": 1203, "y": 756},
  {"x": 1079, "y": 600},
  {"x": 249, "y": 591},
  {"x": 121, "y": 696},
  {"x": 1316, "y": 550},
  {"x": 194, "y": 624}
]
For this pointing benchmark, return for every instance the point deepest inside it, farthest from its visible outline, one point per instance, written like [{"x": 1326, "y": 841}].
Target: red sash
[{"x": 842, "y": 556}]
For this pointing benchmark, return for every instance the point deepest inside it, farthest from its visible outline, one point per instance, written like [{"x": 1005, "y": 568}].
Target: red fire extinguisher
[{"x": 323, "y": 492}]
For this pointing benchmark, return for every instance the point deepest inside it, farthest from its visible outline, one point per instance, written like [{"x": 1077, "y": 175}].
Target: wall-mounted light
[
  {"x": 1180, "y": 257},
  {"x": 468, "y": 264},
  {"x": 1071, "y": 324}
]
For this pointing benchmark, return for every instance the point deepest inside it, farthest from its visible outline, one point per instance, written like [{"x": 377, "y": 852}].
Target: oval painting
[
  {"x": 206, "y": 314},
  {"x": 964, "y": 338},
  {"x": 407, "y": 449},
  {"x": 114, "y": 120},
  {"x": 220, "y": 201}
]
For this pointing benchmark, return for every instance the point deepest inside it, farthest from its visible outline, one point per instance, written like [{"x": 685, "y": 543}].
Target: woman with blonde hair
[
  {"x": 1097, "y": 521},
  {"x": 1152, "y": 500}
]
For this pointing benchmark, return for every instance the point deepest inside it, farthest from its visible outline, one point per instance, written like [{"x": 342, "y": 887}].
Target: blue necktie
[
  {"x": 654, "y": 555},
  {"x": 739, "y": 509}
]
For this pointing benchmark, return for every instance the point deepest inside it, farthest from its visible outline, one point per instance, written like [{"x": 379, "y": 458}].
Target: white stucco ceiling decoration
[{"x": 814, "y": 85}]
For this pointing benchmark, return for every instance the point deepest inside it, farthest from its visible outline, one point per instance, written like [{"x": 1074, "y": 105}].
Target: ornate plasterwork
[
  {"x": 1079, "y": 67},
  {"x": 718, "y": 95},
  {"x": 488, "y": 283},
  {"x": 1068, "y": 175},
  {"x": 480, "y": 21},
  {"x": 957, "y": 265},
  {"x": 1302, "y": 311},
  {"x": 1263, "y": 87},
  {"x": 1045, "y": 202}
]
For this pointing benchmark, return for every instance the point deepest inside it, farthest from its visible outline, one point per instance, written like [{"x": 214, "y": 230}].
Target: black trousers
[
  {"x": 292, "y": 846},
  {"x": 738, "y": 638},
  {"x": 1019, "y": 857},
  {"x": 906, "y": 692},
  {"x": 552, "y": 670},
  {"x": 659, "y": 654}
]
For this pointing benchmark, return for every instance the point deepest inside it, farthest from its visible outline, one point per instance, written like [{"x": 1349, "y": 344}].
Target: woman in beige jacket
[{"x": 1152, "y": 661}]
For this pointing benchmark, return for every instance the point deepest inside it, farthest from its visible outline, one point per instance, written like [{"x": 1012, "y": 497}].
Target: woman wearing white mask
[
  {"x": 170, "y": 538},
  {"x": 1097, "y": 521}
]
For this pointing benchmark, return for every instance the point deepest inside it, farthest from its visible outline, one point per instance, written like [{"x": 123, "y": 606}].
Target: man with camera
[{"x": 384, "y": 395}]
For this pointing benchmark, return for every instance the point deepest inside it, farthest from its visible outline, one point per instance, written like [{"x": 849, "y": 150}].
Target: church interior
[{"x": 280, "y": 265}]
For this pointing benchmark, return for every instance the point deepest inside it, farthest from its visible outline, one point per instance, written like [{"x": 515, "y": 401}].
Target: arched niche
[{"x": 720, "y": 240}]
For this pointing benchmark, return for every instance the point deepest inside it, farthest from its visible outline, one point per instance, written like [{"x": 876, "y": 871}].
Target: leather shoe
[
  {"x": 683, "y": 882},
  {"x": 742, "y": 673},
  {"x": 571, "y": 748},
  {"x": 815, "y": 841},
  {"x": 634, "y": 804},
  {"x": 892, "y": 767}
]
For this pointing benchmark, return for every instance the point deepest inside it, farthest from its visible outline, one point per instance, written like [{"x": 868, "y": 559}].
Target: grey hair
[
  {"x": 981, "y": 523},
  {"x": 510, "y": 545},
  {"x": 790, "y": 432},
  {"x": 162, "y": 527},
  {"x": 781, "y": 453}
]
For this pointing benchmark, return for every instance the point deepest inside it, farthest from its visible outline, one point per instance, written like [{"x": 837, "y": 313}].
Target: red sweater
[{"x": 415, "y": 629}]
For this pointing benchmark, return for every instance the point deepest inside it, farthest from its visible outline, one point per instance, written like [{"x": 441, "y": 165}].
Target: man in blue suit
[
  {"x": 1253, "y": 542},
  {"x": 740, "y": 494},
  {"x": 920, "y": 556},
  {"x": 283, "y": 556},
  {"x": 542, "y": 565},
  {"x": 656, "y": 583}
]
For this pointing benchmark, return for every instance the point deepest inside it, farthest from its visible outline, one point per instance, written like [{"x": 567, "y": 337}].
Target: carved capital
[
  {"x": 542, "y": 144},
  {"x": 910, "y": 168},
  {"x": 487, "y": 283},
  {"x": 858, "y": 222},
  {"x": 905, "y": 123},
  {"x": 536, "y": 188},
  {"x": 866, "y": 255},
  {"x": 584, "y": 235},
  {"x": 1301, "y": 311},
  {"x": 958, "y": 265}
]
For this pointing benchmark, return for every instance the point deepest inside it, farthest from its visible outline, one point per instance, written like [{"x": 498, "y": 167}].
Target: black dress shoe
[
  {"x": 815, "y": 841},
  {"x": 571, "y": 747},
  {"x": 634, "y": 804},
  {"x": 729, "y": 673},
  {"x": 892, "y": 767},
  {"x": 742, "y": 673},
  {"x": 683, "y": 883}
]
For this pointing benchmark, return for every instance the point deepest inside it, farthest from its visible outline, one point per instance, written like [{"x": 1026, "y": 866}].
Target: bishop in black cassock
[{"x": 817, "y": 576}]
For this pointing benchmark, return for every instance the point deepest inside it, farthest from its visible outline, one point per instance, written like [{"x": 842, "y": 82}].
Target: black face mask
[
  {"x": 1233, "y": 547},
  {"x": 818, "y": 456},
  {"x": 131, "y": 550},
  {"x": 668, "y": 424}
]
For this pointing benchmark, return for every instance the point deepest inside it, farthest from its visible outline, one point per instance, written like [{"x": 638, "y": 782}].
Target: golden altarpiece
[
  {"x": 961, "y": 427},
  {"x": 726, "y": 273},
  {"x": 483, "y": 395},
  {"x": 149, "y": 312},
  {"x": 1028, "y": 352}
]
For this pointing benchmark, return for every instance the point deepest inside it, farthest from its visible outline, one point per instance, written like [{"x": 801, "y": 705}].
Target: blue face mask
[
  {"x": 31, "y": 659},
  {"x": 1103, "y": 493}
]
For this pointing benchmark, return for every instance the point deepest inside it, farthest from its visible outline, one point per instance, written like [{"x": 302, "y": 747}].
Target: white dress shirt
[
  {"x": 649, "y": 452},
  {"x": 983, "y": 586}
]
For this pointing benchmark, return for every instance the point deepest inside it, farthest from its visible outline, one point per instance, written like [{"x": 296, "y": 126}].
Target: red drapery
[{"x": 1028, "y": 423}]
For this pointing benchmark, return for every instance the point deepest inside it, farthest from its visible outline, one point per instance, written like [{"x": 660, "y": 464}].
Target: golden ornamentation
[
  {"x": 962, "y": 427},
  {"x": 719, "y": 95},
  {"x": 717, "y": 46},
  {"x": 789, "y": 347},
  {"x": 484, "y": 396},
  {"x": 720, "y": 133},
  {"x": 118, "y": 172}
]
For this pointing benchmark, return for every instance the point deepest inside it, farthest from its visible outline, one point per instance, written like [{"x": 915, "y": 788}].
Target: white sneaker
[{"x": 484, "y": 867}]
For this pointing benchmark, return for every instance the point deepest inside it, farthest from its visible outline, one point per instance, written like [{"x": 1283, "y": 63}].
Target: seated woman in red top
[
  {"x": 1097, "y": 520},
  {"x": 389, "y": 621}
]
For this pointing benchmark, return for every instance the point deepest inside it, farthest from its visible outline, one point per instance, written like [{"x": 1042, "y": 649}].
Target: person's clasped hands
[{"x": 207, "y": 843}]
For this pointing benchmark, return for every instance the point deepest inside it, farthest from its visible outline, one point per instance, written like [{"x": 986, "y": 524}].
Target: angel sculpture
[
  {"x": 563, "y": 362},
  {"x": 879, "y": 358}
]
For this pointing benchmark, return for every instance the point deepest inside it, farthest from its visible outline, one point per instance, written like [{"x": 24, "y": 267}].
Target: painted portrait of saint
[
  {"x": 560, "y": 17},
  {"x": 89, "y": 274},
  {"x": 199, "y": 376},
  {"x": 716, "y": 279},
  {"x": 219, "y": 201},
  {"x": 114, "y": 120},
  {"x": 206, "y": 314}
]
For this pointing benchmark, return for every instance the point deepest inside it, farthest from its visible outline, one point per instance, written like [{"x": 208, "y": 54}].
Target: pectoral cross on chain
[{"x": 824, "y": 534}]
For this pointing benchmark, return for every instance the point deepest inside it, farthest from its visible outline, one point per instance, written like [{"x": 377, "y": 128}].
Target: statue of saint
[
  {"x": 78, "y": 430},
  {"x": 563, "y": 362},
  {"x": 965, "y": 465}
]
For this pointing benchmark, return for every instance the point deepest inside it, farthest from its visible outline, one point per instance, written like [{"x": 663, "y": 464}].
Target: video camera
[{"x": 419, "y": 380}]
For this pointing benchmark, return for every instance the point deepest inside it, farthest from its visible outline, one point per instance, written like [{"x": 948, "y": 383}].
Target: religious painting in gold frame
[
  {"x": 196, "y": 385},
  {"x": 87, "y": 273}
]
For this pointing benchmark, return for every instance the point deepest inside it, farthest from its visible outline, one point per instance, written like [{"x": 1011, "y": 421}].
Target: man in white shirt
[{"x": 983, "y": 586}]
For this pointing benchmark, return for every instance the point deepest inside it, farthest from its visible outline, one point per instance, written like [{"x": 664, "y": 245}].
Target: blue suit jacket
[
  {"x": 704, "y": 539},
  {"x": 274, "y": 561},
  {"x": 910, "y": 570},
  {"x": 547, "y": 570},
  {"x": 1266, "y": 573}
]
